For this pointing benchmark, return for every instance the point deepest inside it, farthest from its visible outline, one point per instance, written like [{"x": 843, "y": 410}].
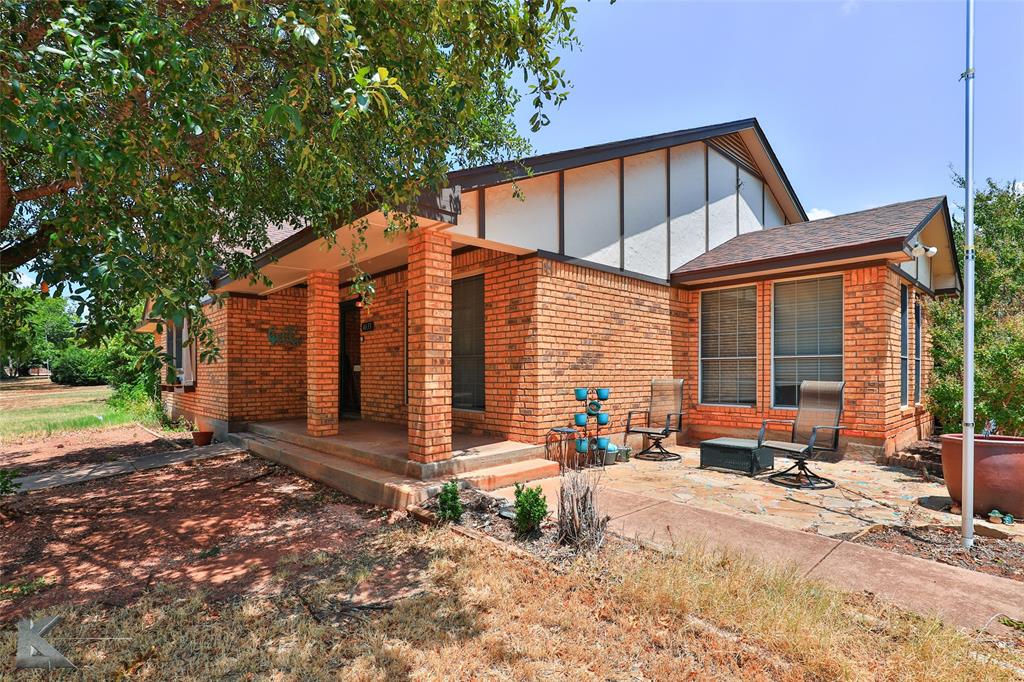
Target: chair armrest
[
  {"x": 629, "y": 417},
  {"x": 766, "y": 422},
  {"x": 668, "y": 422},
  {"x": 814, "y": 432}
]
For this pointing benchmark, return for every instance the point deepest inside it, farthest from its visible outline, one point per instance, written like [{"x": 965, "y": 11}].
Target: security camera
[{"x": 918, "y": 249}]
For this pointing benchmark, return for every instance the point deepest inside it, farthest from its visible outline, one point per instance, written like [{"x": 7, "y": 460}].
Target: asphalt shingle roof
[{"x": 880, "y": 225}]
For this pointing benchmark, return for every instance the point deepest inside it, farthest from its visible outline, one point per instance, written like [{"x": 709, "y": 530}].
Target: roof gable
[{"x": 872, "y": 232}]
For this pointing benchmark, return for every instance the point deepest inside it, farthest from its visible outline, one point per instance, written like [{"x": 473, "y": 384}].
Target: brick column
[
  {"x": 430, "y": 346},
  {"x": 322, "y": 347}
]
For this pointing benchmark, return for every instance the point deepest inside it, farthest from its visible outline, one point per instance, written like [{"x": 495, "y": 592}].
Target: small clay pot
[{"x": 201, "y": 438}]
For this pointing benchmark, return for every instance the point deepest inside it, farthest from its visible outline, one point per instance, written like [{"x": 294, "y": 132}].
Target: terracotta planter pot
[
  {"x": 998, "y": 472},
  {"x": 200, "y": 438}
]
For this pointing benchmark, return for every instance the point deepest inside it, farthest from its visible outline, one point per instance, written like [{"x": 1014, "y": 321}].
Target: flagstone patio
[{"x": 865, "y": 494}]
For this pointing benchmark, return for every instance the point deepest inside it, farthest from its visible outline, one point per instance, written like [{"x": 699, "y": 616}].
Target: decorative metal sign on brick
[{"x": 284, "y": 336}]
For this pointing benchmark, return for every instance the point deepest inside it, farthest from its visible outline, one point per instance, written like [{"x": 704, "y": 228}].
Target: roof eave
[{"x": 868, "y": 251}]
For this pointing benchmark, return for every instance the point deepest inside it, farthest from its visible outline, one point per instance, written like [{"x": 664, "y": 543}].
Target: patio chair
[
  {"x": 666, "y": 406},
  {"x": 819, "y": 408}
]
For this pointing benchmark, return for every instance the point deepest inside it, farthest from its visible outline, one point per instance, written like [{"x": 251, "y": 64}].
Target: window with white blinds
[
  {"x": 728, "y": 346},
  {"x": 807, "y": 341},
  {"x": 468, "y": 343}
]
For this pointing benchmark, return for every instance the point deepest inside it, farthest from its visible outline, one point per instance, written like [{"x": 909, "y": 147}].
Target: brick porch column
[
  {"x": 322, "y": 347},
  {"x": 430, "y": 346}
]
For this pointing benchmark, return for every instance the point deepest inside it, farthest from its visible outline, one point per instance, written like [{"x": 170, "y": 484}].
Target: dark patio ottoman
[{"x": 738, "y": 454}]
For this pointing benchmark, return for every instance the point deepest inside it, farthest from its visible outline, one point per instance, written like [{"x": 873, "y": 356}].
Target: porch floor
[
  {"x": 392, "y": 440},
  {"x": 370, "y": 460}
]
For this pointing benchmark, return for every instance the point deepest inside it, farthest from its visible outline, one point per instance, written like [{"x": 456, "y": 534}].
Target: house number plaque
[{"x": 284, "y": 336}]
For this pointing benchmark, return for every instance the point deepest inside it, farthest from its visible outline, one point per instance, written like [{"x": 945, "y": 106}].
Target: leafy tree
[
  {"x": 145, "y": 145},
  {"x": 17, "y": 327},
  {"x": 54, "y": 328},
  {"x": 999, "y": 319}
]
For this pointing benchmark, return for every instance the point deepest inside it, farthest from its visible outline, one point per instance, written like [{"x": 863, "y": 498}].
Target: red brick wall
[
  {"x": 871, "y": 360},
  {"x": 509, "y": 301},
  {"x": 268, "y": 381},
  {"x": 601, "y": 329},
  {"x": 209, "y": 400},
  {"x": 551, "y": 326},
  {"x": 252, "y": 379}
]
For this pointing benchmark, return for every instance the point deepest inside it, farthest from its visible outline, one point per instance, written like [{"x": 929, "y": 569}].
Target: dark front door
[{"x": 349, "y": 367}]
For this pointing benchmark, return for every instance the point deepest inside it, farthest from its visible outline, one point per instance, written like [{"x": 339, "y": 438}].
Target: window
[
  {"x": 917, "y": 352},
  {"x": 728, "y": 346},
  {"x": 807, "y": 336},
  {"x": 468, "y": 343},
  {"x": 181, "y": 356},
  {"x": 904, "y": 368}
]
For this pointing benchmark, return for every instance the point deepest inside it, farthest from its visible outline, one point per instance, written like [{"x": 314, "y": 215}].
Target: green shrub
[
  {"x": 449, "y": 506},
  {"x": 78, "y": 366},
  {"x": 999, "y": 321},
  {"x": 137, "y": 401},
  {"x": 531, "y": 509},
  {"x": 7, "y": 484}
]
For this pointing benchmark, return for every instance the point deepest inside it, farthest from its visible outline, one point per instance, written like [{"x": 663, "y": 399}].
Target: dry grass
[{"x": 477, "y": 612}]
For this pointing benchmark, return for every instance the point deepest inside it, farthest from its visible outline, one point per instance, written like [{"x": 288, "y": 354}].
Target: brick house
[{"x": 686, "y": 254}]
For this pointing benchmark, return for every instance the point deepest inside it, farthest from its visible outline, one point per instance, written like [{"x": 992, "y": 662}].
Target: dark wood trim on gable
[{"x": 763, "y": 277}]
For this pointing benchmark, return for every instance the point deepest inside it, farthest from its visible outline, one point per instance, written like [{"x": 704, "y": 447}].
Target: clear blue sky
[{"x": 860, "y": 100}]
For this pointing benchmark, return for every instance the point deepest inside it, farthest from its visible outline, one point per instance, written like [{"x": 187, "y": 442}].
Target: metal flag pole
[{"x": 967, "y": 489}]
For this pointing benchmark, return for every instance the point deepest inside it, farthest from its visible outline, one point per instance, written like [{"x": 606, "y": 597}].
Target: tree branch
[
  {"x": 19, "y": 253},
  {"x": 6, "y": 199},
  {"x": 202, "y": 15},
  {"x": 50, "y": 189}
]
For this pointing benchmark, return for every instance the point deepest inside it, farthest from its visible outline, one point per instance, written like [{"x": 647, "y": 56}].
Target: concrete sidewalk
[
  {"x": 52, "y": 479},
  {"x": 956, "y": 595}
]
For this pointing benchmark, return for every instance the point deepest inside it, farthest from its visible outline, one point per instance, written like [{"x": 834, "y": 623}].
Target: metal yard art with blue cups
[{"x": 582, "y": 444}]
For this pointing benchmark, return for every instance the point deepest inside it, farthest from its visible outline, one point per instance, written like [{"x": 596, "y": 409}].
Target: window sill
[
  {"x": 471, "y": 410},
  {"x": 177, "y": 388}
]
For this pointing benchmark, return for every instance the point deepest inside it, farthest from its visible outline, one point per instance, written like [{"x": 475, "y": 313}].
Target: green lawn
[{"x": 36, "y": 407}]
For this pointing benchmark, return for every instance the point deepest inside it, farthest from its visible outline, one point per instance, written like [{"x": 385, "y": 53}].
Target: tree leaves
[{"x": 190, "y": 128}]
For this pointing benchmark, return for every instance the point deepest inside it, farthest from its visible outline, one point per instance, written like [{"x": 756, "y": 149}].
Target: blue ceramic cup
[
  {"x": 580, "y": 418},
  {"x": 581, "y": 393},
  {"x": 602, "y": 393},
  {"x": 602, "y": 442},
  {"x": 581, "y": 445},
  {"x": 602, "y": 418}
]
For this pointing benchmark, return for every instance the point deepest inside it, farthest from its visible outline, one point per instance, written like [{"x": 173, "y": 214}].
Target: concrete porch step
[
  {"x": 492, "y": 478},
  {"x": 366, "y": 483}
]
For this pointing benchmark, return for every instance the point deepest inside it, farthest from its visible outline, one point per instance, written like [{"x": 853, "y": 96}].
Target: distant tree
[
  {"x": 145, "y": 144},
  {"x": 17, "y": 327},
  {"x": 54, "y": 327},
  {"x": 999, "y": 319}
]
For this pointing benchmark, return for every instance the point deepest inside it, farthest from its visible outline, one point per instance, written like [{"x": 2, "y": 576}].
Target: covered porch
[{"x": 369, "y": 460}]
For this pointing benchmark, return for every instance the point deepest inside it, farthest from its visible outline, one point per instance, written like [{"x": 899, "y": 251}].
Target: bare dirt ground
[
  {"x": 220, "y": 525},
  {"x": 234, "y": 568},
  {"x": 72, "y": 449},
  {"x": 1004, "y": 558}
]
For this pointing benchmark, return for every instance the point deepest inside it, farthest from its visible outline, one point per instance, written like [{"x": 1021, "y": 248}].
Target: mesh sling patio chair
[
  {"x": 819, "y": 407},
  {"x": 665, "y": 407}
]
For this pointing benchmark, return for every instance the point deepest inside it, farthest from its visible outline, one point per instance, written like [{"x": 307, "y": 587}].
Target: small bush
[
  {"x": 77, "y": 366},
  {"x": 137, "y": 401},
  {"x": 449, "y": 506},
  {"x": 531, "y": 509},
  {"x": 7, "y": 484}
]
